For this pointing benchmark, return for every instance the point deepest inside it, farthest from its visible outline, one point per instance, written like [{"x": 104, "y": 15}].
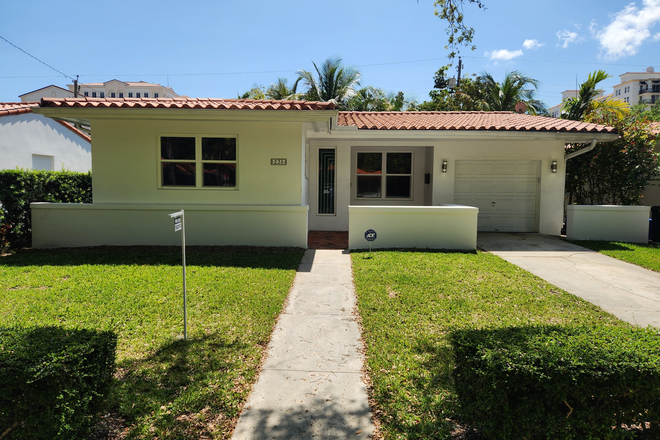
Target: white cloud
[
  {"x": 567, "y": 37},
  {"x": 628, "y": 29},
  {"x": 532, "y": 44},
  {"x": 504, "y": 54}
]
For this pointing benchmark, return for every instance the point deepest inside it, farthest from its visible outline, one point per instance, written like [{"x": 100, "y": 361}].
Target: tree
[
  {"x": 373, "y": 99},
  {"x": 586, "y": 105},
  {"x": 641, "y": 110},
  {"x": 615, "y": 172},
  {"x": 515, "y": 88},
  {"x": 281, "y": 91},
  {"x": 256, "y": 92},
  {"x": 458, "y": 33},
  {"x": 333, "y": 82},
  {"x": 468, "y": 96}
]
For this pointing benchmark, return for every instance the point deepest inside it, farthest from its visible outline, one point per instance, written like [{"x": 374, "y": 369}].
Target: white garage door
[{"x": 504, "y": 192}]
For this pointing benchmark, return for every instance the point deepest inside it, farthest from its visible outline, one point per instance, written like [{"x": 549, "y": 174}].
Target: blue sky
[{"x": 219, "y": 48}]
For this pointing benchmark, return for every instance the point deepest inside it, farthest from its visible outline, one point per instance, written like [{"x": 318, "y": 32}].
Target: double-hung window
[
  {"x": 384, "y": 175},
  {"x": 198, "y": 162}
]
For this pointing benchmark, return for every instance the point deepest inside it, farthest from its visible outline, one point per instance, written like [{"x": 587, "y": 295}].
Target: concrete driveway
[{"x": 629, "y": 292}]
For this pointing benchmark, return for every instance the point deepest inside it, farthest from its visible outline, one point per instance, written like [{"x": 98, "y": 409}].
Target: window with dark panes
[
  {"x": 384, "y": 175},
  {"x": 219, "y": 161},
  {"x": 198, "y": 162},
  {"x": 178, "y": 165}
]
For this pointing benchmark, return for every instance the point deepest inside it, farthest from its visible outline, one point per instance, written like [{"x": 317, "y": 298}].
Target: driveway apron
[
  {"x": 629, "y": 292},
  {"x": 310, "y": 385}
]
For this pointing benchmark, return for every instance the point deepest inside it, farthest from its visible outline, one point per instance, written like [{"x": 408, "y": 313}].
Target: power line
[{"x": 30, "y": 55}]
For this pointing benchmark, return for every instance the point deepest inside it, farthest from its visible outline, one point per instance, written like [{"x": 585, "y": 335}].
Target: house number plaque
[{"x": 278, "y": 161}]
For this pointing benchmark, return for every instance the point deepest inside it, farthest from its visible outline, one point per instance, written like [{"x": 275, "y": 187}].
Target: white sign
[{"x": 177, "y": 224}]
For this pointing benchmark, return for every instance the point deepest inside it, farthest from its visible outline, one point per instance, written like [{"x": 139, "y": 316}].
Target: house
[
  {"x": 111, "y": 89},
  {"x": 267, "y": 172},
  {"x": 636, "y": 87},
  {"x": 121, "y": 89},
  {"x": 51, "y": 91},
  {"x": 633, "y": 88},
  {"x": 33, "y": 141}
]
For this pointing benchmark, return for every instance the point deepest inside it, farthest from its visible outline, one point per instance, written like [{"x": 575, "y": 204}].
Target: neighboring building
[
  {"x": 33, "y": 141},
  {"x": 109, "y": 89},
  {"x": 555, "y": 111},
  {"x": 120, "y": 89},
  {"x": 250, "y": 172},
  {"x": 51, "y": 91},
  {"x": 636, "y": 87}
]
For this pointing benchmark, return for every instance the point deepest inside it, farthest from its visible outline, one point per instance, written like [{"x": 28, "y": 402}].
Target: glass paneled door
[{"x": 326, "y": 203}]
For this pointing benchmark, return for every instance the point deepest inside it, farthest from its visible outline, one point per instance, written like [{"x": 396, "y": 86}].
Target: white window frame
[
  {"x": 383, "y": 176},
  {"x": 199, "y": 163}
]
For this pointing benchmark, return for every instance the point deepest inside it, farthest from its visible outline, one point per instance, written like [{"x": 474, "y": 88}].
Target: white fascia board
[
  {"x": 354, "y": 134},
  {"x": 84, "y": 114}
]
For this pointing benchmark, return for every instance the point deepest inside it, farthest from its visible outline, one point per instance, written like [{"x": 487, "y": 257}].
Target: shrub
[
  {"x": 53, "y": 380},
  {"x": 19, "y": 188},
  {"x": 559, "y": 383}
]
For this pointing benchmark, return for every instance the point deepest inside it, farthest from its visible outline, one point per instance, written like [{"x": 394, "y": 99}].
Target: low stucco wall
[
  {"x": 73, "y": 225},
  {"x": 608, "y": 222},
  {"x": 434, "y": 227}
]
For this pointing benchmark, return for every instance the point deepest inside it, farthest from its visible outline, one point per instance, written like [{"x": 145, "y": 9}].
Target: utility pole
[
  {"x": 460, "y": 65},
  {"x": 75, "y": 86}
]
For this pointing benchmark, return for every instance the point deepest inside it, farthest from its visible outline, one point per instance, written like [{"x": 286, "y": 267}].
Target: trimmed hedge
[
  {"x": 19, "y": 188},
  {"x": 559, "y": 382},
  {"x": 53, "y": 381}
]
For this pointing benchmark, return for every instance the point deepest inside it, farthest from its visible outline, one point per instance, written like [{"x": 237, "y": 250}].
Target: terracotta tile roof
[
  {"x": 19, "y": 108},
  {"x": 186, "y": 103},
  {"x": 16, "y": 108},
  {"x": 655, "y": 127},
  {"x": 487, "y": 121}
]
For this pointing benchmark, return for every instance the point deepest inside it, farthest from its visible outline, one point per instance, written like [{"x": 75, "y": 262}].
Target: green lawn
[
  {"x": 165, "y": 388},
  {"x": 645, "y": 255},
  {"x": 410, "y": 301}
]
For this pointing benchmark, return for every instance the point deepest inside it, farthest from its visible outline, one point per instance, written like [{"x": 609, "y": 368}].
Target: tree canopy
[
  {"x": 586, "y": 105},
  {"x": 482, "y": 93},
  {"x": 459, "y": 34},
  {"x": 614, "y": 172},
  {"x": 333, "y": 82}
]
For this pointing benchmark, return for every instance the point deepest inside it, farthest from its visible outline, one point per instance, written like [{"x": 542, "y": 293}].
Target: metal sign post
[
  {"x": 370, "y": 236},
  {"x": 180, "y": 225}
]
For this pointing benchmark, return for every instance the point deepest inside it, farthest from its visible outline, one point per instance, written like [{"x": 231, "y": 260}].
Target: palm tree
[
  {"x": 333, "y": 83},
  {"x": 281, "y": 91},
  {"x": 515, "y": 88},
  {"x": 586, "y": 105}
]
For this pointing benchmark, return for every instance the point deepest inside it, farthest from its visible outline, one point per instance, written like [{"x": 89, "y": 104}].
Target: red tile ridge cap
[{"x": 188, "y": 103}]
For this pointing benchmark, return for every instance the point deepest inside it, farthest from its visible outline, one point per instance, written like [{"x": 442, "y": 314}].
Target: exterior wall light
[
  {"x": 444, "y": 166},
  {"x": 553, "y": 166}
]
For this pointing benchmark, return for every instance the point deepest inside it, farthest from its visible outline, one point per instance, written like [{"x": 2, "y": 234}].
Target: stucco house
[
  {"x": 33, "y": 141},
  {"x": 268, "y": 172}
]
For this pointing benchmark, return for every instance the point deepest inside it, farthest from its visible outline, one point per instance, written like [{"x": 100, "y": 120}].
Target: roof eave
[{"x": 84, "y": 115}]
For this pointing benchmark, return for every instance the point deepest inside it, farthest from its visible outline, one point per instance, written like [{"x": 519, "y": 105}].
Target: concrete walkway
[
  {"x": 629, "y": 292},
  {"x": 310, "y": 385}
]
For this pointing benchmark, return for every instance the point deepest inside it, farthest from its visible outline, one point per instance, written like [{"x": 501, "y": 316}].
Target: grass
[
  {"x": 410, "y": 301},
  {"x": 645, "y": 255},
  {"x": 165, "y": 387}
]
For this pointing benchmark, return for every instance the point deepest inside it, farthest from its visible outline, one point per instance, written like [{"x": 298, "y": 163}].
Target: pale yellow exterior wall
[
  {"x": 432, "y": 227},
  {"x": 608, "y": 222},
  {"x": 125, "y": 161},
  {"x": 73, "y": 225}
]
